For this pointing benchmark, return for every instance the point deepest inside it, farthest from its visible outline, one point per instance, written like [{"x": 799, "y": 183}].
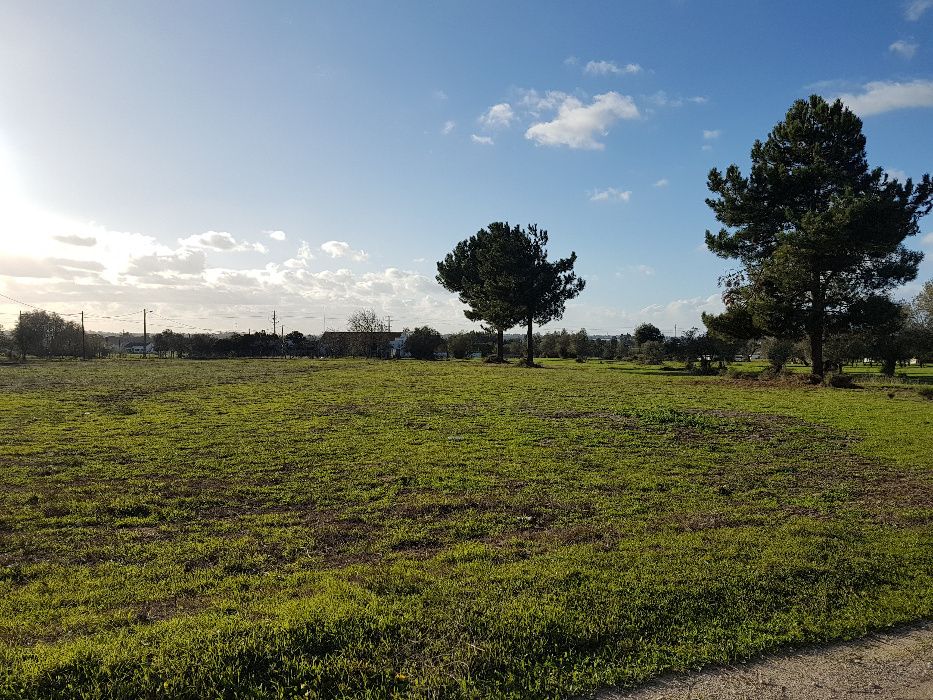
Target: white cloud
[
  {"x": 879, "y": 97},
  {"x": 535, "y": 103},
  {"x": 643, "y": 270},
  {"x": 682, "y": 311},
  {"x": 219, "y": 241},
  {"x": 896, "y": 174},
  {"x": 571, "y": 61},
  {"x": 610, "y": 194},
  {"x": 342, "y": 249},
  {"x": 275, "y": 235},
  {"x": 905, "y": 49},
  {"x": 610, "y": 67},
  {"x": 498, "y": 116},
  {"x": 482, "y": 140},
  {"x": 440, "y": 95},
  {"x": 915, "y": 9},
  {"x": 184, "y": 262},
  {"x": 302, "y": 257},
  {"x": 577, "y": 125},
  {"x": 449, "y": 126},
  {"x": 663, "y": 182},
  {"x": 928, "y": 239},
  {"x": 710, "y": 134},
  {"x": 662, "y": 99}
]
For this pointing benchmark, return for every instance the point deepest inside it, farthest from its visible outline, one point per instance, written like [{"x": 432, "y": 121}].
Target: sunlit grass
[{"x": 349, "y": 528}]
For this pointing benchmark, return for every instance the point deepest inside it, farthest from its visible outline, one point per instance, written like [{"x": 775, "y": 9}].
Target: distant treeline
[{"x": 46, "y": 335}]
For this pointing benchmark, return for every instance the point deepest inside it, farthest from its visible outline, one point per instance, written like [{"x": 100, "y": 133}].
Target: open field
[{"x": 376, "y": 529}]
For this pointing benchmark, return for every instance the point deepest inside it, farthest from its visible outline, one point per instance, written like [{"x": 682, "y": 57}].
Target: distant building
[{"x": 139, "y": 349}]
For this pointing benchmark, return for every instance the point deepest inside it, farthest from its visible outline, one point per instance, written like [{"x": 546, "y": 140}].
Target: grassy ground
[{"x": 329, "y": 528}]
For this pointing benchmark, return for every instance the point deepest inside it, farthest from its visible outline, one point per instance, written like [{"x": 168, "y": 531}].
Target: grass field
[{"x": 453, "y": 529}]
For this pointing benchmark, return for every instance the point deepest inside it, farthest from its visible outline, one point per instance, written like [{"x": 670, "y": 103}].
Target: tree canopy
[
  {"x": 477, "y": 270},
  {"x": 503, "y": 274},
  {"x": 648, "y": 332},
  {"x": 538, "y": 288},
  {"x": 820, "y": 236}
]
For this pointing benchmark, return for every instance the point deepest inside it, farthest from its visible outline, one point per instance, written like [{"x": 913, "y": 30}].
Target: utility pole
[
  {"x": 145, "y": 335},
  {"x": 324, "y": 309},
  {"x": 83, "y": 342},
  {"x": 389, "y": 324},
  {"x": 273, "y": 321},
  {"x": 19, "y": 328}
]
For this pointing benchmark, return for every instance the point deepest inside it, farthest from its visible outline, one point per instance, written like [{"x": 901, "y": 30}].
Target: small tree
[
  {"x": 778, "y": 351},
  {"x": 459, "y": 345},
  {"x": 368, "y": 326},
  {"x": 646, "y": 332},
  {"x": 423, "y": 342},
  {"x": 580, "y": 342},
  {"x": 816, "y": 231},
  {"x": 651, "y": 352}
]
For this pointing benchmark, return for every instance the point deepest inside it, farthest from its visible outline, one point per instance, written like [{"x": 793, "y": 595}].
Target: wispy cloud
[
  {"x": 928, "y": 239},
  {"x": 342, "y": 249},
  {"x": 663, "y": 182},
  {"x": 578, "y": 125},
  {"x": 905, "y": 49},
  {"x": 880, "y": 96},
  {"x": 482, "y": 140},
  {"x": 896, "y": 174},
  {"x": 611, "y": 68},
  {"x": 662, "y": 99},
  {"x": 85, "y": 241},
  {"x": 448, "y": 127},
  {"x": 498, "y": 116},
  {"x": 220, "y": 241},
  {"x": 439, "y": 95},
  {"x": 710, "y": 134},
  {"x": 610, "y": 194},
  {"x": 275, "y": 234},
  {"x": 914, "y": 9}
]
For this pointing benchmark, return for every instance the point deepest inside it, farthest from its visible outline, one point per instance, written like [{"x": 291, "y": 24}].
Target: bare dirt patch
[{"x": 895, "y": 665}]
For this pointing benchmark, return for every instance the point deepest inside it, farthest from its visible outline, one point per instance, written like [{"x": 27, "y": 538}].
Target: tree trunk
[
  {"x": 815, "y": 329},
  {"x": 499, "y": 351},
  {"x": 530, "y": 356},
  {"x": 887, "y": 366}
]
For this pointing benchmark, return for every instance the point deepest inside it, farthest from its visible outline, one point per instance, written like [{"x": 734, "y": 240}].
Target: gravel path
[{"x": 895, "y": 666}]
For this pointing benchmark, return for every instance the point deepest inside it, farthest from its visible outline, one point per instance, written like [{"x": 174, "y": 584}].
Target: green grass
[{"x": 403, "y": 529}]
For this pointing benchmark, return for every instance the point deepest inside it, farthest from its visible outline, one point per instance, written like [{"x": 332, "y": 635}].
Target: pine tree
[{"x": 818, "y": 233}]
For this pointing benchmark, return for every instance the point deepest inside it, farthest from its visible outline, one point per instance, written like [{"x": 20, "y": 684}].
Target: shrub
[
  {"x": 925, "y": 391},
  {"x": 839, "y": 380}
]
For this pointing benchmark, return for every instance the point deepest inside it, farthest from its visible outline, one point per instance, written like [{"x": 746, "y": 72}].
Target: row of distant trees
[
  {"x": 908, "y": 337},
  {"x": 46, "y": 334}
]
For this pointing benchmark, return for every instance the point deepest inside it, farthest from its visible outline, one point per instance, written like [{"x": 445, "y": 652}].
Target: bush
[
  {"x": 651, "y": 352},
  {"x": 423, "y": 342},
  {"x": 838, "y": 380}
]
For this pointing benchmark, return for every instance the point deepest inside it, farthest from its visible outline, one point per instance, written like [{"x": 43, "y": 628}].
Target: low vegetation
[{"x": 339, "y": 528}]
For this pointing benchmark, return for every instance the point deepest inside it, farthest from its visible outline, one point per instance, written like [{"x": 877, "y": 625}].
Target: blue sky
[{"x": 216, "y": 161}]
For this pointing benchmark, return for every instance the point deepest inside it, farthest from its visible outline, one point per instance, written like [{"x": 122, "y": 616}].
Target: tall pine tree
[{"x": 818, "y": 233}]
